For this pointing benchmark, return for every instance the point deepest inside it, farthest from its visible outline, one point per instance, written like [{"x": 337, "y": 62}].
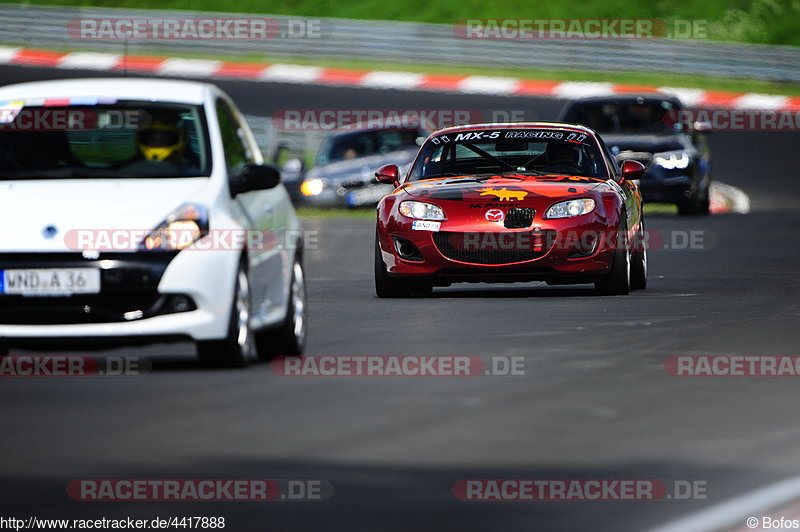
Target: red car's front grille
[
  {"x": 518, "y": 218},
  {"x": 494, "y": 248}
]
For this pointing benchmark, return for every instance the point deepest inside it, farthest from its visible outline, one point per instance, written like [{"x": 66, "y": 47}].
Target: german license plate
[{"x": 50, "y": 282}]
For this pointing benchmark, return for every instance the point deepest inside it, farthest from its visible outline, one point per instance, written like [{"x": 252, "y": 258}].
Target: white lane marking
[
  {"x": 292, "y": 73},
  {"x": 688, "y": 96},
  {"x": 488, "y": 85},
  {"x": 7, "y": 54},
  {"x": 733, "y": 512},
  {"x": 188, "y": 67},
  {"x": 581, "y": 89},
  {"x": 89, "y": 61},
  {"x": 391, "y": 80},
  {"x": 738, "y": 199},
  {"x": 754, "y": 100}
]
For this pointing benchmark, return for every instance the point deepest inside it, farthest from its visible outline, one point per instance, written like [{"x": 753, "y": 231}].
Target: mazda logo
[{"x": 495, "y": 215}]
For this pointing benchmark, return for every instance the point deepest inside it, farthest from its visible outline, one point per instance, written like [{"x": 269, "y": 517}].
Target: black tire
[
  {"x": 704, "y": 208},
  {"x": 238, "y": 347},
  {"x": 289, "y": 339},
  {"x": 696, "y": 205},
  {"x": 385, "y": 285},
  {"x": 639, "y": 262},
  {"x": 617, "y": 282}
]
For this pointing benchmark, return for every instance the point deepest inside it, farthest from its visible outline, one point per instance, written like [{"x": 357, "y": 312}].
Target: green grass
[
  {"x": 318, "y": 212},
  {"x": 762, "y": 21},
  {"x": 660, "y": 209}
]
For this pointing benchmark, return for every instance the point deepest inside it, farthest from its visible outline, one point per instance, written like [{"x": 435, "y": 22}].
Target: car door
[{"x": 262, "y": 211}]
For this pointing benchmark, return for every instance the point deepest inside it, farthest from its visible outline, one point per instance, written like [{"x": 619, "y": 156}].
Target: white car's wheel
[
  {"x": 289, "y": 339},
  {"x": 238, "y": 347}
]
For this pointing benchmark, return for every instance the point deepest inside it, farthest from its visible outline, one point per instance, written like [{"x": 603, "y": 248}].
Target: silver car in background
[{"x": 344, "y": 168}]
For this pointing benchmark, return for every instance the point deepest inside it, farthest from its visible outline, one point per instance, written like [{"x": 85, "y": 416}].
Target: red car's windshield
[{"x": 515, "y": 151}]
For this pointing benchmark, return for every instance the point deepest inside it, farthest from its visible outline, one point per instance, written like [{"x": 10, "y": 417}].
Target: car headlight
[
  {"x": 421, "y": 211},
  {"x": 184, "y": 226},
  {"x": 672, "y": 160},
  {"x": 571, "y": 208},
  {"x": 312, "y": 187}
]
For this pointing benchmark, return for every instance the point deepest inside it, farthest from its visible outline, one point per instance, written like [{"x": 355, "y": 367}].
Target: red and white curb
[
  {"x": 302, "y": 74},
  {"x": 727, "y": 198}
]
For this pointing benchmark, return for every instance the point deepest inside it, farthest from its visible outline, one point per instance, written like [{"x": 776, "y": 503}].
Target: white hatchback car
[{"x": 141, "y": 210}]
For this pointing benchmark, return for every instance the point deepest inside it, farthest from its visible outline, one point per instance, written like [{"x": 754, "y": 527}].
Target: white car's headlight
[
  {"x": 421, "y": 211},
  {"x": 312, "y": 187},
  {"x": 571, "y": 208},
  {"x": 672, "y": 160},
  {"x": 183, "y": 227}
]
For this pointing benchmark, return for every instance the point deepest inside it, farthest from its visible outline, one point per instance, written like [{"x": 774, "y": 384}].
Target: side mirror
[
  {"x": 388, "y": 174},
  {"x": 255, "y": 177},
  {"x": 632, "y": 170}
]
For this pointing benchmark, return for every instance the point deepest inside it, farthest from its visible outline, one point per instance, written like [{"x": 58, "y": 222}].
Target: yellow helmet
[{"x": 159, "y": 141}]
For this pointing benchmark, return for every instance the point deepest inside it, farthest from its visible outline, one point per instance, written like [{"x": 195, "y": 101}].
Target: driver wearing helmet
[
  {"x": 160, "y": 142},
  {"x": 161, "y": 150}
]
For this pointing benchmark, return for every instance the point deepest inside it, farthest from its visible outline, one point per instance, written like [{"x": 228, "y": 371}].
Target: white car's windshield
[
  {"x": 509, "y": 151},
  {"x": 119, "y": 140}
]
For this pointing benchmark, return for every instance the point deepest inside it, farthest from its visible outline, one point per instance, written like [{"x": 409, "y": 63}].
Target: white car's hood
[{"x": 28, "y": 207}]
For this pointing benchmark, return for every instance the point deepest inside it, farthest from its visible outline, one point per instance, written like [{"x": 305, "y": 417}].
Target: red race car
[{"x": 511, "y": 202}]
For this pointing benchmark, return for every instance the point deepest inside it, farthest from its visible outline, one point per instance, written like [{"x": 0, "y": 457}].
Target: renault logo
[{"x": 49, "y": 231}]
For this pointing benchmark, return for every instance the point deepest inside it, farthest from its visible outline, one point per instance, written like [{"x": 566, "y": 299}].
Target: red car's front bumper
[{"x": 576, "y": 250}]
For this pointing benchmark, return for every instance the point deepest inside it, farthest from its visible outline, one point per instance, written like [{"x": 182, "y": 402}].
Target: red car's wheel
[
  {"x": 617, "y": 282},
  {"x": 385, "y": 286},
  {"x": 639, "y": 263},
  {"x": 388, "y": 287}
]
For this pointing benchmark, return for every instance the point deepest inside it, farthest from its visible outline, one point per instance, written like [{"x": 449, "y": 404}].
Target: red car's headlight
[
  {"x": 570, "y": 209},
  {"x": 419, "y": 210}
]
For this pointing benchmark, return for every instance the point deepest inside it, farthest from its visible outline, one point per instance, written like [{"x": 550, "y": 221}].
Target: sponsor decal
[{"x": 503, "y": 194}]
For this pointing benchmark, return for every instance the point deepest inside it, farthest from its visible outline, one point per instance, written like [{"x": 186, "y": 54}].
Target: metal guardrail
[{"x": 404, "y": 42}]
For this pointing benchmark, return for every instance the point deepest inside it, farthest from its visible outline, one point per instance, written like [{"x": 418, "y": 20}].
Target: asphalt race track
[{"x": 595, "y": 400}]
